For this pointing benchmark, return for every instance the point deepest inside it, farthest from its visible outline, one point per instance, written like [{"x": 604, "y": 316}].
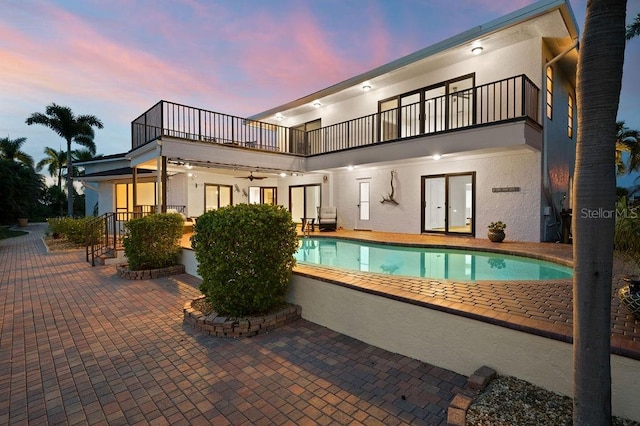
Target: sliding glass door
[
  {"x": 448, "y": 203},
  {"x": 216, "y": 196},
  {"x": 304, "y": 201}
]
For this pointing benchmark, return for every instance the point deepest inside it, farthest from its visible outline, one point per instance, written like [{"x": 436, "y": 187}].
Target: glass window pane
[
  {"x": 364, "y": 201},
  {"x": 254, "y": 195},
  {"x": 225, "y": 196},
  {"x": 297, "y": 203}
]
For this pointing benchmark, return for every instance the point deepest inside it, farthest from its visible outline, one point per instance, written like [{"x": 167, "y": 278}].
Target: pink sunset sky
[{"x": 115, "y": 59}]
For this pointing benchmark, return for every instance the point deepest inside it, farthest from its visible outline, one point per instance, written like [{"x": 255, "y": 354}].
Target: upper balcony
[{"x": 511, "y": 99}]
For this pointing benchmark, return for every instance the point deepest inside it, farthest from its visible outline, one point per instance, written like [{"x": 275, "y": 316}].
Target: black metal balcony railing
[{"x": 505, "y": 100}]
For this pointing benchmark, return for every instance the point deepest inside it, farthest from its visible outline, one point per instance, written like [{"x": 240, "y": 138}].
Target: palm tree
[
  {"x": 599, "y": 81},
  {"x": 78, "y": 129},
  {"x": 55, "y": 162},
  {"x": 10, "y": 150},
  {"x": 81, "y": 155},
  {"x": 626, "y": 142},
  {"x": 634, "y": 28}
]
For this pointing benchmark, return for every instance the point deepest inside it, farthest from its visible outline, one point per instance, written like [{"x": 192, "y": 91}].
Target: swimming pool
[{"x": 437, "y": 263}]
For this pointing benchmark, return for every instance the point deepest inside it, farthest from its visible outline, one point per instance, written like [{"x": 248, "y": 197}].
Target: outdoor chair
[{"x": 327, "y": 218}]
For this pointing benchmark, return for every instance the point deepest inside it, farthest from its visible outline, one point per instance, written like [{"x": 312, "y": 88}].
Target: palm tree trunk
[
  {"x": 598, "y": 93},
  {"x": 69, "y": 180}
]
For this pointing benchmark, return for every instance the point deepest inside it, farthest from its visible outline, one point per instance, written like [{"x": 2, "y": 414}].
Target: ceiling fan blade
[{"x": 251, "y": 177}]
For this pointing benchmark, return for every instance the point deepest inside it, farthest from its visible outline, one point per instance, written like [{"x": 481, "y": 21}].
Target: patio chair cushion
[{"x": 327, "y": 217}]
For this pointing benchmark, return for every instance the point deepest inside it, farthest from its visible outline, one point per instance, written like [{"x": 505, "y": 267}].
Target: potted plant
[
  {"x": 496, "y": 231},
  {"x": 627, "y": 248}
]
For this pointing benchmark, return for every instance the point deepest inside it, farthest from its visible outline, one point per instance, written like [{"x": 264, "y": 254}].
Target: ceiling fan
[{"x": 251, "y": 177}]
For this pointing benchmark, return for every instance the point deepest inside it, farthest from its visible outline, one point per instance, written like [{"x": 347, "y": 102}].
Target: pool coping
[
  {"x": 621, "y": 342},
  {"x": 541, "y": 307}
]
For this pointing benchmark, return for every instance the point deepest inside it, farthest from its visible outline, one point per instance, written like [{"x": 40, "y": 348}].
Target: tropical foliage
[
  {"x": 633, "y": 29},
  {"x": 11, "y": 149},
  {"x": 245, "y": 256},
  {"x": 22, "y": 187},
  {"x": 627, "y": 234},
  {"x": 54, "y": 161},
  {"x": 71, "y": 128},
  {"x": 627, "y": 143}
]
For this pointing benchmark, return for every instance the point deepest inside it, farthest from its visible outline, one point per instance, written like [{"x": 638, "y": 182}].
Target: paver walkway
[{"x": 79, "y": 345}]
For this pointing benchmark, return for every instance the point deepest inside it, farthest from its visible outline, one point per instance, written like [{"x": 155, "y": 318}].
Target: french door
[
  {"x": 448, "y": 203},
  {"x": 364, "y": 207}
]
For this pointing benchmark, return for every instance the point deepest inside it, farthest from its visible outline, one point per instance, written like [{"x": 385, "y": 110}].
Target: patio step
[{"x": 111, "y": 258}]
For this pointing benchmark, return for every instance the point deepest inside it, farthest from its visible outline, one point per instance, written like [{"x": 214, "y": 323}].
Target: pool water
[{"x": 437, "y": 263}]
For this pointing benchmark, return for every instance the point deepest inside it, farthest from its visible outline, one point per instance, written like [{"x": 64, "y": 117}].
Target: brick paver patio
[{"x": 79, "y": 345}]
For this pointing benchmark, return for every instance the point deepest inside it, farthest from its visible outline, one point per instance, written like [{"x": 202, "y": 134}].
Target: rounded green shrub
[
  {"x": 153, "y": 241},
  {"x": 245, "y": 255}
]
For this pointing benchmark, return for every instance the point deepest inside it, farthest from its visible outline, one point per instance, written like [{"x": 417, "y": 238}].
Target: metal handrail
[
  {"x": 104, "y": 234},
  {"x": 504, "y": 100}
]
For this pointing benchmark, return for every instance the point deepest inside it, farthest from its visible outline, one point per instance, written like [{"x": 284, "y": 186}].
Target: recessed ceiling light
[
  {"x": 279, "y": 117},
  {"x": 437, "y": 157},
  {"x": 349, "y": 167},
  {"x": 283, "y": 174},
  {"x": 366, "y": 87},
  {"x": 317, "y": 104},
  {"x": 476, "y": 50}
]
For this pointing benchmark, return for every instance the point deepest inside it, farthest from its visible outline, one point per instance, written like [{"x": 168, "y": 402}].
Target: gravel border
[{"x": 508, "y": 401}]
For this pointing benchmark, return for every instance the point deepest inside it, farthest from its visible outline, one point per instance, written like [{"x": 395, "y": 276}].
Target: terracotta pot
[
  {"x": 496, "y": 236},
  {"x": 23, "y": 222}
]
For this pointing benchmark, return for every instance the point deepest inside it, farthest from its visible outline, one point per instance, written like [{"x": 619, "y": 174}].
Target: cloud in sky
[{"x": 116, "y": 59}]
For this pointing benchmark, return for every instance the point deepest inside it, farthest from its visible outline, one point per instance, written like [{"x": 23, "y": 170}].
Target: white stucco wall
[
  {"x": 106, "y": 195},
  {"x": 455, "y": 343},
  {"x": 520, "y": 210},
  {"x": 524, "y": 57},
  {"x": 91, "y": 198}
]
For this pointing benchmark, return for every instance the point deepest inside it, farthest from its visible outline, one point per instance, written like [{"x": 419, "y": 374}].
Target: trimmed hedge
[
  {"x": 70, "y": 228},
  {"x": 245, "y": 257},
  {"x": 153, "y": 241}
]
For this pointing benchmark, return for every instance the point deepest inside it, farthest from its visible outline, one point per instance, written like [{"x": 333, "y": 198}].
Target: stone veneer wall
[
  {"x": 147, "y": 274},
  {"x": 222, "y": 326}
]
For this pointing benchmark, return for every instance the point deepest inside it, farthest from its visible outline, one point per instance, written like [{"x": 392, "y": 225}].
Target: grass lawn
[{"x": 5, "y": 232}]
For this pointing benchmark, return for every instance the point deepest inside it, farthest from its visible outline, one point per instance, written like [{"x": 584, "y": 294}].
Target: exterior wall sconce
[
  {"x": 366, "y": 87},
  {"x": 477, "y": 50}
]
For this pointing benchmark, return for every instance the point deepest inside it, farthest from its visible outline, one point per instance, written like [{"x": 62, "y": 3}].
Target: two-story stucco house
[{"x": 477, "y": 128}]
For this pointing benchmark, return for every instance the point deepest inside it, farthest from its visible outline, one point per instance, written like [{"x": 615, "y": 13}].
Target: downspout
[{"x": 545, "y": 138}]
